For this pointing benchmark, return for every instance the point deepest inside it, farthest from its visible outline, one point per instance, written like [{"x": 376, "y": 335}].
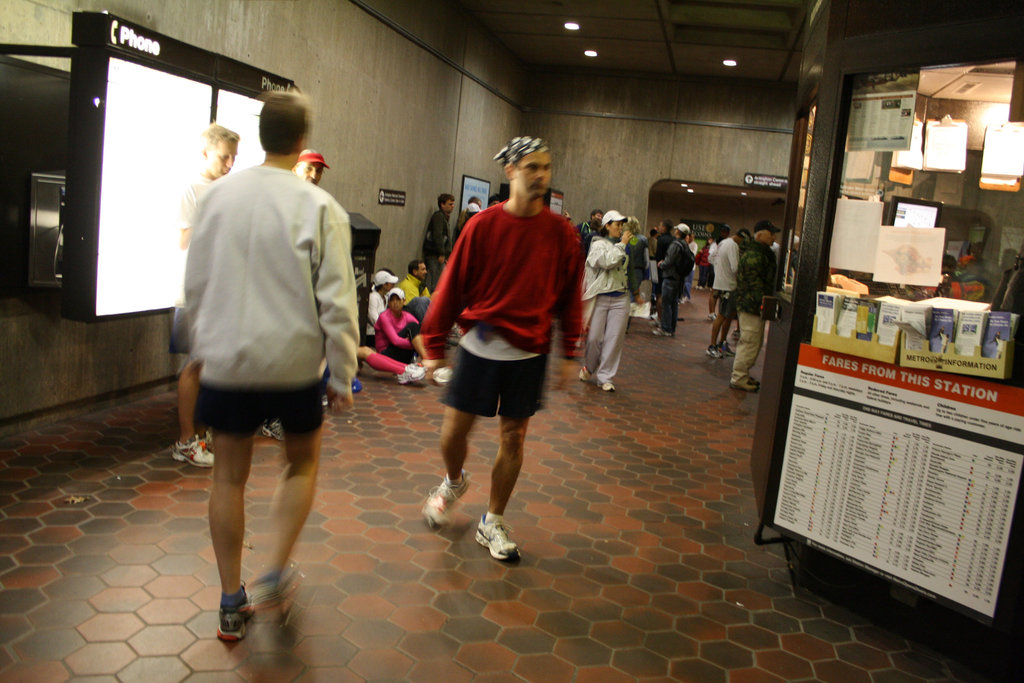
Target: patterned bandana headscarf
[{"x": 517, "y": 148}]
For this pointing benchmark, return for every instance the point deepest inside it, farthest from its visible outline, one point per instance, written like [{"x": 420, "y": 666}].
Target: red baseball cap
[{"x": 312, "y": 157}]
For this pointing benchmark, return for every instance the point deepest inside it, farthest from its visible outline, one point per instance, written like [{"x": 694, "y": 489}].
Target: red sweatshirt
[{"x": 514, "y": 274}]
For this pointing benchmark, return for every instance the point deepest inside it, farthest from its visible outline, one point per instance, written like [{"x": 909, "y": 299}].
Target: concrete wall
[
  {"x": 388, "y": 113},
  {"x": 615, "y": 136}
]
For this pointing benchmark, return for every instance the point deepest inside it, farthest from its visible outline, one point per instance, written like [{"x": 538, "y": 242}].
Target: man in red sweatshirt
[{"x": 515, "y": 268}]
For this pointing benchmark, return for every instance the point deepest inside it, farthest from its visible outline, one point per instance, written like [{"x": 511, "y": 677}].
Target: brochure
[{"x": 941, "y": 331}]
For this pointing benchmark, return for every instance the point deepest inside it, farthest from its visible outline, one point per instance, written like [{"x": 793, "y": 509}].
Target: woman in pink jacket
[{"x": 397, "y": 339}]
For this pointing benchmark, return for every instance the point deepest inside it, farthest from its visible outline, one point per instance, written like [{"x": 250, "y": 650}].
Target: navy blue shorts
[
  {"x": 510, "y": 388},
  {"x": 242, "y": 412}
]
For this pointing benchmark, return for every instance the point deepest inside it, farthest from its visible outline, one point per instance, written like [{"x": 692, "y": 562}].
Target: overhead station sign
[{"x": 768, "y": 182}]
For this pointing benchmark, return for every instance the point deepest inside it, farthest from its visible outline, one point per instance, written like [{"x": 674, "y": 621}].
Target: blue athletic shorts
[
  {"x": 242, "y": 412},
  {"x": 510, "y": 388}
]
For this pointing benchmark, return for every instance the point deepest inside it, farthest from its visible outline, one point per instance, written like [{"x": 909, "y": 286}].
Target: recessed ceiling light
[
  {"x": 729, "y": 62},
  {"x": 689, "y": 189},
  {"x": 590, "y": 53},
  {"x": 572, "y": 26},
  {"x": 683, "y": 185},
  {"x": 743, "y": 193}
]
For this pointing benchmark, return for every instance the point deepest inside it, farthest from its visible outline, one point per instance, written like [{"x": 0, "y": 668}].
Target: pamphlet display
[
  {"x": 951, "y": 335},
  {"x": 910, "y": 474}
]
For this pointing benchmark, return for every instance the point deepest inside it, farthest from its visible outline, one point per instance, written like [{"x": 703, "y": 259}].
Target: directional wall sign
[
  {"x": 769, "y": 182},
  {"x": 391, "y": 197}
]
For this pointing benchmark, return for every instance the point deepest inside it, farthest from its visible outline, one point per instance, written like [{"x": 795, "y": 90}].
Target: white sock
[{"x": 491, "y": 518}]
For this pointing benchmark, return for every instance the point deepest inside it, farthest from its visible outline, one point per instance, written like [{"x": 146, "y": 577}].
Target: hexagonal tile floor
[{"x": 634, "y": 511}]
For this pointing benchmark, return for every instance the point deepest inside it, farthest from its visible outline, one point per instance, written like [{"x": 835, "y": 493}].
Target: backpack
[{"x": 684, "y": 264}]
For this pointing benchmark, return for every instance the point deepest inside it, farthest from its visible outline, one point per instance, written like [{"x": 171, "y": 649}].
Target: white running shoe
[
  {"x": 442, "y": 375},
  {"x": 193, "y": 452},
  {"x": 441, "y": 500},
  {"x": 495, "y": 538},
  {"x": 412, "y": 373},
  {"x": 584, "y": 374},
  {"x": 607, "y": 386},
  {"x": 272, "y": 429}
]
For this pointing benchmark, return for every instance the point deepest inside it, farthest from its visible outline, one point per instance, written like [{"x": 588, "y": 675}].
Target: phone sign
[{"x": 123, "y": 35}]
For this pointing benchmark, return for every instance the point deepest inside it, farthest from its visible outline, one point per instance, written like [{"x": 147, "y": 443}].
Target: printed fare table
[{"x": 910, "y": 474}]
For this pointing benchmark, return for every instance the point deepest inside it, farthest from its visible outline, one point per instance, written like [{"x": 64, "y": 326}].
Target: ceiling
[
  {"x": 981, "y": 82},
  {"x": 677, "y": 37}
]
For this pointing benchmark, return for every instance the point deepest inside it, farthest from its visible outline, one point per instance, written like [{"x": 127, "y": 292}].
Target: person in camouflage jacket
[{"x": 755, "y": 279}]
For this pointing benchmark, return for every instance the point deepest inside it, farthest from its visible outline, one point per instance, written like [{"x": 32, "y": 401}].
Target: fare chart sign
[{"x": 910, "y": 474}]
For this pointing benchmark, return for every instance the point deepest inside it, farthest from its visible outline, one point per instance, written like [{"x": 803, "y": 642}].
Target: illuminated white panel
[
  {"x": 151, "y": 151},
  {"x": 242, "y": 115}
]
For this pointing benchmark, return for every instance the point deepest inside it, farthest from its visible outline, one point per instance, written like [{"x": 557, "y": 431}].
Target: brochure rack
[
  {"x": 977, "y": 365},
  {"x": 854, "y": 346}
]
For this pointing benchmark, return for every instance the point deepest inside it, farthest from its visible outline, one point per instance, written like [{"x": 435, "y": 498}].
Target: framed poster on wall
[{"x": 474, "y": 187}]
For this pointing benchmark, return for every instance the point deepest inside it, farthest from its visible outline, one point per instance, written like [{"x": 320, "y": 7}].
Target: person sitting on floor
[{"x": 397, "y": 339}]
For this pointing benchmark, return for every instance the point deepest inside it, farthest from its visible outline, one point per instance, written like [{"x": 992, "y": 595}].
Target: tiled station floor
[{"x": 634, "y": 511}]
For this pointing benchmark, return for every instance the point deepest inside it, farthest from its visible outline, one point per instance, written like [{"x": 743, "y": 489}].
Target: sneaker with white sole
[
  {"x": 193, "y": 452},
  {"x": 231, "y": 627},
  {"x": 442, "y": 375},
  {"x": 584, "y": 374},
  {"x": 495, "y": 538},
  {"x": 607, "y": 386},
  {"x": 441, "y": 500},
  {"x": 272, "y": 429},
  {"x": 412, "y": 373},
  {"x": 713, "y": 351},
  {"x": 726, "y": 350}
]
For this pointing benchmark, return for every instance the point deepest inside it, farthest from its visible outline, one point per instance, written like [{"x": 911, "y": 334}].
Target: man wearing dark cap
[
  {"x": 755, "y": 279},
  {"x": 516, "y": 266},
  {"x": 310, "y": 166}
]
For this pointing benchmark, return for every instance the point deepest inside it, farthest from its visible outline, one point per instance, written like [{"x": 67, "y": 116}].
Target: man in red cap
[{"x": 310, "y": 166}]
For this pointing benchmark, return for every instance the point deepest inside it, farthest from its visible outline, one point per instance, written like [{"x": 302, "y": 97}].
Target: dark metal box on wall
[{"x": 365, "y": 238}]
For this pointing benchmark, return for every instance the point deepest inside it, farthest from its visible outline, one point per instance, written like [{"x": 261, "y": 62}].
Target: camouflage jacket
[{"x": 755, "y": 276}]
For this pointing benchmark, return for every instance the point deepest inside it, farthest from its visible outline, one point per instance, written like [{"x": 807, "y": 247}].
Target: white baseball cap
[
  {"x": 383, "y": 277},
  {"x": 611, "y": 216}
]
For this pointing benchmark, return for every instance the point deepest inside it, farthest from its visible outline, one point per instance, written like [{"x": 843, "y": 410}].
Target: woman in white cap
[
  {"x": 608, "y": 289},
  {"x": 383, "y": 281}
]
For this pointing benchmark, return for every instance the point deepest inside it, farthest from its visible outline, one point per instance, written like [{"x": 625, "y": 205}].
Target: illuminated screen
[
  {"x": 242, "y": 115},
  {"x": 151, "y": 151},
  {"x": 915, "y": 215}
]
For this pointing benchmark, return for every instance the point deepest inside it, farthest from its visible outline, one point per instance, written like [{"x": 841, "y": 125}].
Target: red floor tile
[{"x": 634, "y": 524}]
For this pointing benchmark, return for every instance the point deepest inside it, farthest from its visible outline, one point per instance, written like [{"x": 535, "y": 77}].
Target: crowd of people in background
[{"x": 626, "y": 270}]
